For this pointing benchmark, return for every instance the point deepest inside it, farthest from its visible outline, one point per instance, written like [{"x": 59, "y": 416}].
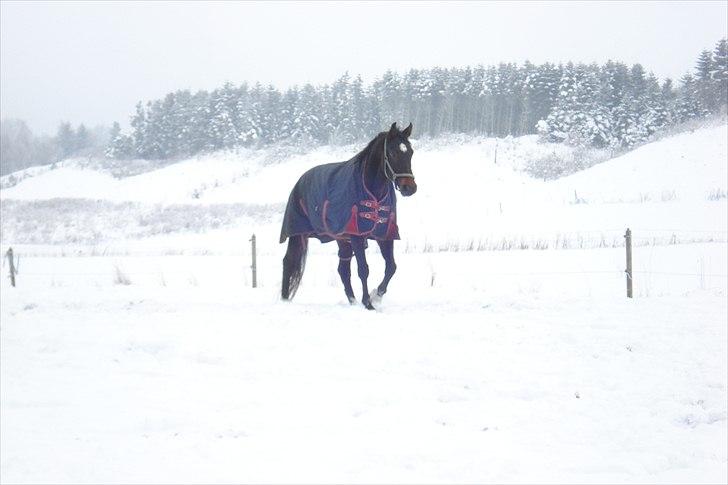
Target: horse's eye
[{"x": 403, "y": 147}]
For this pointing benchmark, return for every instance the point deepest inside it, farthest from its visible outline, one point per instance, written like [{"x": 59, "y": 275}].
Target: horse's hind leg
[
  {"x": 387, "y": 249},
  {"x": 345, "y": 253},
  {"x": 358, "y": 244}
]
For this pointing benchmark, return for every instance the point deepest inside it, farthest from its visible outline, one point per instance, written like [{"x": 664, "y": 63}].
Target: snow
[
  {"x": 213, "y": 381},
  {"x": 479, "y": 365},
  {"x": 658, "y": 169},
  {"x": 65, "y": 182}
]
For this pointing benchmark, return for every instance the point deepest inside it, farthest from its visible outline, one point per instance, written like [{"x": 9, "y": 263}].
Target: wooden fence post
[
  {"x": 13, "y": 270},
  {"x": 628, "y": 246},
  {"x": 254, "y": 265}
]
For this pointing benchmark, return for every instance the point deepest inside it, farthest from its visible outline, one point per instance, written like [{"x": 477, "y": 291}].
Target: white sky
[{"x": 91, "y": 62}]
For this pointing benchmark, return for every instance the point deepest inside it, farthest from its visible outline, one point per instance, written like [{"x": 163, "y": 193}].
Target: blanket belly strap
[
  {"x": 372, "y": 216},
  {"x": 373, "y": 204}
]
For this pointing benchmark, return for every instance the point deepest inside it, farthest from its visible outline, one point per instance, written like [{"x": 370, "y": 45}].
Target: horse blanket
[{"x": 332, "y": 202}]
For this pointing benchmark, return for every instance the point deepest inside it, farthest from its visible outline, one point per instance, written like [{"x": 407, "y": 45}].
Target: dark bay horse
[{"x": 350, "y": 202}]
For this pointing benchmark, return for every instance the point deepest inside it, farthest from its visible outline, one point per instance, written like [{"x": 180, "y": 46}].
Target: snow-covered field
[{"x": 134, "y": 350}]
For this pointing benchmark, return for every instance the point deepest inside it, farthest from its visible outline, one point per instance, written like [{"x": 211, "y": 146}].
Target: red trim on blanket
[
  {"x": 352, "y": 227},
  {"x": 392, "y": 231},
  {"x": 373, "y": 197},
  {"x": 339, "y": 237},
  {"x": 324, "y": 210},
  {"x": 303, "y": 206}
]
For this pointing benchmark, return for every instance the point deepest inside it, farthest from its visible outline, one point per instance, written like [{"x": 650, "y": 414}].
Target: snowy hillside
[
  {"x": 677, "y": 183},
  {"x": 135, "y": 350}
]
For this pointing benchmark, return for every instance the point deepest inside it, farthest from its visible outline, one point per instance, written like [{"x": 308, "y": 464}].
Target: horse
[{"x": 350, "y": 202}]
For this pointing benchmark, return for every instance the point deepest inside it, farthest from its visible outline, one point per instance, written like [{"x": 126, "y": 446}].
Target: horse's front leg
[
  {"x": 387, "y": 249},
  {"x": 358, "y": 244}
]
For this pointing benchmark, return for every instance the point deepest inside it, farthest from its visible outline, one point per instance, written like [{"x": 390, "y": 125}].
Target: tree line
[{"x": 609, "y": 105}]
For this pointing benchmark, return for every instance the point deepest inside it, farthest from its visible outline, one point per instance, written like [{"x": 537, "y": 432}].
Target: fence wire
[{"x": 607, "y": 238}]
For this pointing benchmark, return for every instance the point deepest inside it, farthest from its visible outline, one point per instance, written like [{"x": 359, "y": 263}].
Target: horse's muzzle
[{"x": 407, "y": 186}]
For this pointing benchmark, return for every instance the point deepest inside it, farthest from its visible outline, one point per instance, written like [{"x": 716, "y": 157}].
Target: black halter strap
[{"x": 388, "y": 167}]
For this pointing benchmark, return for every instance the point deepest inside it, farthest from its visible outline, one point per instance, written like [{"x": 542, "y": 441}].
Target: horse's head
[{"x": 398, "y": 159}]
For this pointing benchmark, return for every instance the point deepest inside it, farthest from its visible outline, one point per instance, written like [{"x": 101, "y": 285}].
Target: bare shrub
[
  {"x": 716, "y": 194},
  {"x": 553, "y": 165},
  {"x": 120, "y": 278}
]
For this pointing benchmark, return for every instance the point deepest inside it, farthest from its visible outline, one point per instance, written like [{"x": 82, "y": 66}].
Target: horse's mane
[{"x": 364, "y": 154}]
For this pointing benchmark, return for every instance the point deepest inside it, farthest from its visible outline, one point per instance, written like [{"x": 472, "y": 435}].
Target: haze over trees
[{"x": 20, "y": 148}]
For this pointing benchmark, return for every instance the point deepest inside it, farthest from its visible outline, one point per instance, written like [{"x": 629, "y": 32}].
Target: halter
[{"x": 387, "y": 166}]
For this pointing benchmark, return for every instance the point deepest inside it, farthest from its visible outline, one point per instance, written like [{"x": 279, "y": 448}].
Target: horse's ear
[
  {"x": 407, "y": 131},
  {"x": 393, "y": 130}
]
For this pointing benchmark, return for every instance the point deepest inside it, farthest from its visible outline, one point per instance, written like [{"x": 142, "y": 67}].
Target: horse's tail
[{"x": 293, "y": 265}]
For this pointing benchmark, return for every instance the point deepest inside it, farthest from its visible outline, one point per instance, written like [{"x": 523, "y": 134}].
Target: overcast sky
[{"x": 88, "y": 62}]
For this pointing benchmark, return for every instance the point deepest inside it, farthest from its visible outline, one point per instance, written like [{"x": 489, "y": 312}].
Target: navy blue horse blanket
[{"x": 332, "y": 202}]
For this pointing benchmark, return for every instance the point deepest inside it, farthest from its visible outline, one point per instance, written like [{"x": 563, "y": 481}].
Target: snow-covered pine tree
[
  {"x": 499, "y": 87},
  {"x": 629, "y": 116},
  {"x": 222, "y": 130},
  {"x": 477, "y": 93},
  {"x": 438, "y": 103},
  {"x": 307, "y": 129},
  {"x": 328, "y": 114},
  {"x": 254, "y": 125},
  {"x": 114, "y": 132},
  {"x": 272, "y": 118},
  {"x": 355, "y": 110},
  {"x": 656, "y": 111},
  {"x": 411, "y": 105},
  {"x": 289, "y": 128},
  {"x": 669, "y": 97},
  {"x": 240, "y": 105},
  {"x": 139, "y": 131},
  {"x": 65, "y": 139},
  {"x": 462, "y": 90},
  {"x": 512, "y": 98},
  {"x": 197, "y": 118},
  {"x": 121, "y": 145},
  {"x": 246, "y": 118},
  {"x": 706, "y": 85},
  {"x": 168, "y": 127},
  {"x": 180, "y": 115},
  {"x": 557, "y": 125},
  {"x": 388, "y": 94},
  {"x": 487, "y": 101},
  {"x": 82, "y": 140},
  {"x": 719, "y": 73},
  {"x": 158, "y": 129},
  {"x": 338, "y": 111},
  {"x": 689, "y": 104},
  {"x": 540, "y": 88}
]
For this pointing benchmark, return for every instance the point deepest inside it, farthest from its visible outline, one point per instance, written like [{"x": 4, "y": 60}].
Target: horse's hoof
[
  {"x": 352, "y": 301},
  {"x": 368, "y": 305},
  {"x": 375, "y": 296}
]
